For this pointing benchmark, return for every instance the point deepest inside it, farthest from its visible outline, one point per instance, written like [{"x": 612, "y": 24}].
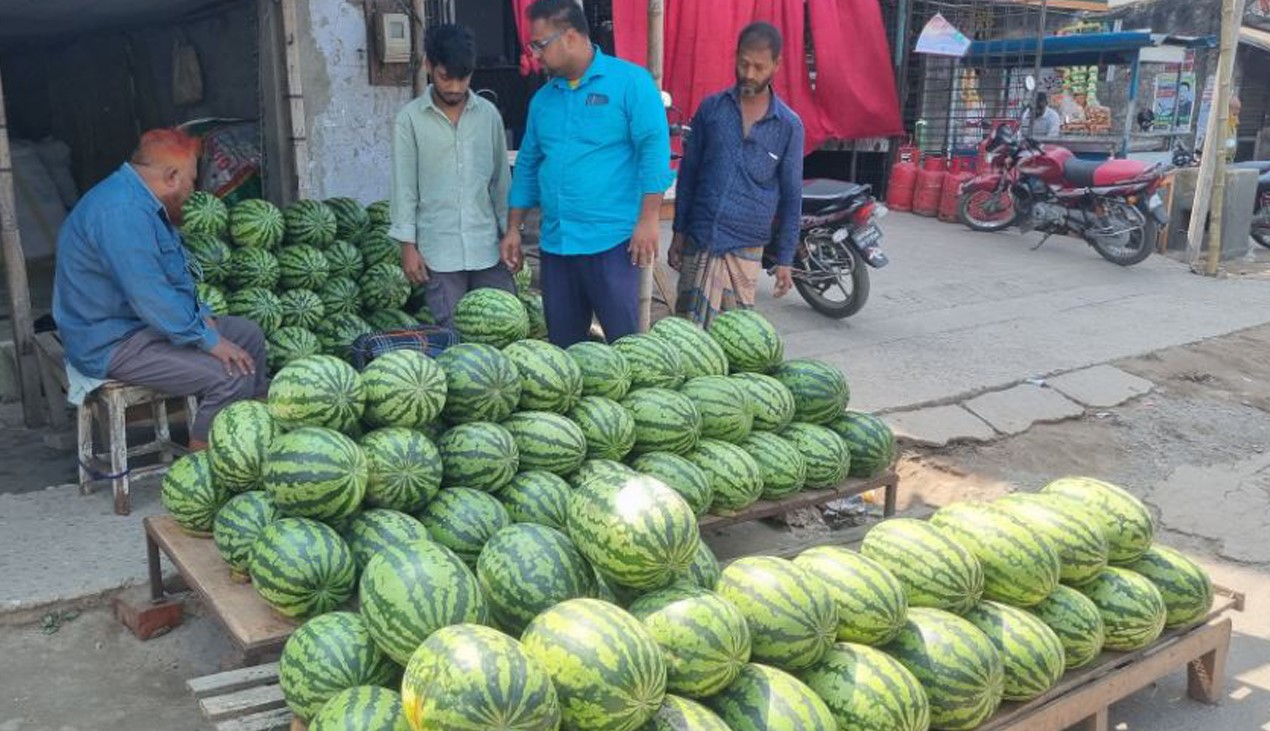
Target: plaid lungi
[{"x": 715, "y": 282}]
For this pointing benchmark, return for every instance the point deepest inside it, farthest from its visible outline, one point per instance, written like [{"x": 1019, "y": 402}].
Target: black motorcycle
[{"x": 1261, "y": 213}]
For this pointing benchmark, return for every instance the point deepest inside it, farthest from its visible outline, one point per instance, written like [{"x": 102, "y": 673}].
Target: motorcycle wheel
[
  {"x": 987, "y": 210},
  {"x": 1137, "y": 245},
  {"x": 1262, "y": 237},
  {"x": 820, "y": 294}
]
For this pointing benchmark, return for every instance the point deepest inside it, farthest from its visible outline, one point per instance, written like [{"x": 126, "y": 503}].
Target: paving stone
[
  {"x": 1015, "y": 410},
  {"x": 936, "y": 426},
  {"x": 1101, "y": 386}
]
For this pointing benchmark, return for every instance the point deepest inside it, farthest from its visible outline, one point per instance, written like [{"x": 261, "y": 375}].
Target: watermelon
[
  {"x": 482, "y": 383},
  {"x": 600, "y": 468},
  {"x": 547, "y": 441},
  {"x": 343, "y": 260},
  {"x": 736, "y": 480},
  {"x": 766, "y": 699},
  {"x": 681, "y": 714},
  {"x": 374, "y": 530},
  {"x": 934, "y": 570},
  {"x": 535, "y": 496},
  {"x": 827, "y": 456},
  {"x": 365, "y": 708},
  {"x": 549, "y": 379},
  {"x": 1076, "y": 622},
  {"x": 213, "y": 298},
  {"x": 723, "y": 405},
  {"x": 319, "y": 390},
  {"x": 665, "y": 421},
  {"x": 770, "y": 401},
  {"x": 871, "y": 602},
  {"x": 351, "y": 219},
  {"x": 1185, "y": 587},
  {"x": 699, "y": 354},
  {"x": 327, "y": 655},
  {"x": 609, "y": 428},
  {"x": 704, "y": 570},
  {"x": 409, "y": 591},
  {"x": 523, "y": 278},
  {"x": 1031, "y": 654},
  {"x": 491, "y": 316},
  {"x": 302, "y": 267},
  {"x": 704, "y": 637},
  {"x": 463, "y": 520},
  {"x": 783, "y": 468},
  {"x": 479, "y": 455},
  {"x": 820, "y": 390},
  {"x": 377, "y": 247},
  {"x": 749, "y": 341},
  {"x": 211, "y": 255},
  {"x": 205, "y": 214},
  {"x": 868, "y": 690},
  {"x": 606, "y": 667},
  {"x": 605, "y": 371},
  {"x": 389, "y": 320},
  {"x": 537, "y": 313},
  {"x": 340, "y": 296},
  {"x": 636, "y": 531},
  {"x": 957, "y": 665},
  {"x": 792, "y": 615},
  {"x": 339, "y": 331},
  {"x": 301, "y": 308},
  {"x": 469, "y": 677},
  {"x": 403, "y": 388},
  {"x": 314, "y": 472},
  {"x": 653, "y": 362},
  {"x": 309, "y": 223},
  {"x": 379, "y": 213},
  {"x": 870, "y": 441},
  {"x": 1020, "y": 565},
  {"x": 291, "y": 343},
  {"x": 1126, "y": 522},
  {"x": 258, "y": 305},
  {"x": 403, "y": 469},
  {"x": 526, "y": 569},
  {"x": 190, "y": 494},
  {"x": 238, "y": 443},
  {"x": 238, "y": 524},
  {"x": 1075, "y": 532},
  {"x": 384, "y": 286},
  {"x": 680, "y": 475},
  {"x": 1132, "y": 608},
  {"x": 256, "y": 224},
  {"x": 301, "y": 567}
]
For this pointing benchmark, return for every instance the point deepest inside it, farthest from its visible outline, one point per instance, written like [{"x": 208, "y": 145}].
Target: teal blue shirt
[{"x": 590, "y": 154}]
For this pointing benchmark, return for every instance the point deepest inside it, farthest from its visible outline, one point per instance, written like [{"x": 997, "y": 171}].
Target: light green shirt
[{"x": 449, "y": 183}]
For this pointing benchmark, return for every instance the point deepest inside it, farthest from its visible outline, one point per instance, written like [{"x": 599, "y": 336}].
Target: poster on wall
[
  {"x": 1205, "y": 110},
  {"x": 1172, "y": 96}
]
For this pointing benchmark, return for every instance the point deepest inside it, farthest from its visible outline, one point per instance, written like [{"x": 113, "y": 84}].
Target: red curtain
[
  {"x": 855, "y": 83},
  {"x": 529, "y": 64}
]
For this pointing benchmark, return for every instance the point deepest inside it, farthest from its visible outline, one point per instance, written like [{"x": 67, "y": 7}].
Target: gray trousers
[
  {"x": 445, "y": 289},
  {"x": 149, "y": 359}
]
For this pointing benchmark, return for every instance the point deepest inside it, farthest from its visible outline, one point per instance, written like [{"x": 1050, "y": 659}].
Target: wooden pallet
[{"x": 249, "y": 699}]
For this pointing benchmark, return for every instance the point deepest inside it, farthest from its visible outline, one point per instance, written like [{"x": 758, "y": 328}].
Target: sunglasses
[{"x": 537, "y": 47}]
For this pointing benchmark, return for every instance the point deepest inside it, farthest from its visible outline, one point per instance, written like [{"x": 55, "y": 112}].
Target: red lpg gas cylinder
[
  {"x": 903, "y": 181},
  {"x": 950, "y": 196},
  {"x": 930, "y": 185}
]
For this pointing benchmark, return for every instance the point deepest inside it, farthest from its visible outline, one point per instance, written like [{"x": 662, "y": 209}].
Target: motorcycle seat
[
  {"x": 820, "y": 195},
  {"x": 1080, "y": 173}
]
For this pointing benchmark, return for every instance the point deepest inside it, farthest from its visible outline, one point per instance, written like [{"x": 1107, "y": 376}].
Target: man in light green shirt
[{"x": 450, "y": 179}]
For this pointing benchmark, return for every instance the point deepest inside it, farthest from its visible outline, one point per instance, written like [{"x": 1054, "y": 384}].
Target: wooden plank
[
  {"x": 804, "y": 499},
  {"x": 278, "y": 719},
  {"x": 242, "y": 703},
  {"x": 295, "y": 99},
  {"x": 232, "y": 680}
]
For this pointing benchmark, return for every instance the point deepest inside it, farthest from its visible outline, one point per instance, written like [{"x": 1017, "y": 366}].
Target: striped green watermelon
[
  {"x": 409, "y": 591},
  {"x": 526, "y": 569},
  {"x": 680, "y": 475},
  {"x": 704, "y": 637},
  {"x": 190, "y": 494},
  {"x": 463, "y": 520},
  {"x": 327, "y": 655},
  {"x": 1076, "y": 532},
  {"x": 302, "y": 267},
  {"x": 609, "y": 428},
  {"x": 256, "y": 224},
  {"x": 769, "y": 399},
  {"x": 871, "y": 601},
  {"x": 820, "y": 390},
  {"x": 537, "y": 313},
  {"x": 343, "y": 260},
  {"x": 870, "y": 440},
  {"x": 1185, "y": 587},
  {"x": 1076, "y": 621},
  {"x": 766, "y": 699},
  {"x": 792, "y": 615},
  {"x": 1126, "y": 521},
  {"x": 653, "y": 362},
  {"x": 379, "y": 213},
  {"x": 403, "y": 388},
  {"x": 213, "y": 298},
  {"x": 291, "y": 343},
  {"x": 599, "y": 468},
  {"x": 1020, "y": 565},
  {"x": 238, "y": 524},
  {"x": 535, "y": 496},
  {"x": 523, "y": 278},
  {"x": 724, "y": 407},
  {"x": 340, "y": 296},
  {"x": 868, "y": 690},
  {"x": 957, "y": 665},
  {"x": 314, "y": 472},
  {"x": 388, "y": 320},
  {"x": 302, "y": 308},
  {"x": 238, "y": 442},
  {"x": 339, "y": 331},
  {"x": 827, "y": 456},
  {"x": 302, "y": 568},
  {"x": 1132, "y": 608},
  {"x": 309, "y": 223},
  {"x": 934, "y": 570},
  {"x": 211, "y": 255},
  {"x": 203, "y": 213},
  {"x": 319, "y": 390},
  {"x": 384, "y": 287},
  {"x": 681, "y": 714},
  {"x": 479, "y": 455},
  {"x": 665, "y": 421},
  {"x": 491, "y": 316},
  {"x": 704, "y": 570},
  {"x": 1031, "y": 654},
  {"x": 783, "y": 468},
  {"x": 351, "y": 219},
  {"x": 404, "y": 469},
  {"x": 699, "y": 354},
  {"x": 372, "y": 531},
  {"x": 482, "y": 383},
  {"x": 471, "y": 678},
  {"x": 605, "y": 371},
  {"x": 607, "y": 669},
  {"x": 365, "y": 708},
  {"x": 749, "y": 341},
  {"x": 636, "y": 531},
  {"x": 549, "y": 379},
  {"x": 258, "y": 305},
  {"x": 736, "y": 480},
  {"x": 376, "y": 247}
]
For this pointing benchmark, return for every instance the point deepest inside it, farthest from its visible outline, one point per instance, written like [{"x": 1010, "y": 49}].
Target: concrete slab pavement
[
  {"x": 1102, "y": 386},
  {"x": 937, "y": 426},
  {"x": 1015, "y": 410}
]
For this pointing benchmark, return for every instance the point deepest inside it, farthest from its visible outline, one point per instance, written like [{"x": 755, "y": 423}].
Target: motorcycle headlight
[{"x": 840, "y": 235}]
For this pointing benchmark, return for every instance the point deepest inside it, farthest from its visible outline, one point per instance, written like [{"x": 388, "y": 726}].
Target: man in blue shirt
[
  {"x": 123, "y": 297},
  {"x": 596, "y": 159},
  {"x": 742, "y": 168}
]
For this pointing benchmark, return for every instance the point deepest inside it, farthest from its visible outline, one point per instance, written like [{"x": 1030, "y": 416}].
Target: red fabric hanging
[
  {"x": 855, "y": 81},
  {"x": 631, "y": 41},
  {"x": 529, "y": 64}
]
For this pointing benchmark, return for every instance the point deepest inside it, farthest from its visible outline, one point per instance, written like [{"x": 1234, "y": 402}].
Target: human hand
[
  {"x": 412, "y": 263},
  {"x": 784, "y": 280},
  {"x": 509, "y": 250},
  {"x": 237, "y": 361},
  {"x": 674, "y": 256},
  {"x": 644, "y": 243}
]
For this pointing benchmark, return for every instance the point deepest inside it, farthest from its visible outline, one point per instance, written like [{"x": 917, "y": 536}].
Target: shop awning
[{"x": 1078, "y": 50}]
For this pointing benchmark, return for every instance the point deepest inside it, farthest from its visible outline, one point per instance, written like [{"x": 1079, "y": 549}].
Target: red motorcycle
[{"x": 1111, "y": 204}]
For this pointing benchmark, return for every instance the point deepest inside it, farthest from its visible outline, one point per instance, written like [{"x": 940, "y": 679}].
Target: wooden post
[
  {"x": 295, "y": 99},
  {"x": 1217, "y": 128},
  {"x": 420, "y": 81},
  {"x": 656, "y": 30},
  {"x": 1214, "y": 140},
  {"x": 19, "y": 289}
]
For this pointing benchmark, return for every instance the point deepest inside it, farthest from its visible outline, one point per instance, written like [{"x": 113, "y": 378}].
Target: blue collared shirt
[
  {"x": 731, "y": 187},
  {"x": 590, "y": 154},
  {"x": 120, "y": 268}
]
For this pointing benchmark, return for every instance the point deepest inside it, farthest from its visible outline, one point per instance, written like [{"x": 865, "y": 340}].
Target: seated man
[{"x": 123, "y": 297}]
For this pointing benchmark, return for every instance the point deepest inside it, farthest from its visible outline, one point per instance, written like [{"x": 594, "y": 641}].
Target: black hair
[
  {"x": 1187, "y": 84},
  {"x": 452, "y": 47},
  {"x": 761, "y": 35},
  {"x": 563, "y": 14},
  {"x": 1042, "y": 98}
]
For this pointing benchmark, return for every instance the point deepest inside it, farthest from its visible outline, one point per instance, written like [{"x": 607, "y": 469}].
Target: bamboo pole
[
  {"x": 295, "y": 99},
  {"x": 656, "y": 30},
  {"x": 1214, "y": 142},
  {"x": 1225, "y": 74}
]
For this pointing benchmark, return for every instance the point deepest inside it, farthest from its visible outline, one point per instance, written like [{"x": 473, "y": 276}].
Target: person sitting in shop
[{"x": 1047, "y": 124}]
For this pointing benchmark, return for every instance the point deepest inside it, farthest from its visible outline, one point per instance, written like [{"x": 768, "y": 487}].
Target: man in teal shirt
[{"x": 596, "y": 159}]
